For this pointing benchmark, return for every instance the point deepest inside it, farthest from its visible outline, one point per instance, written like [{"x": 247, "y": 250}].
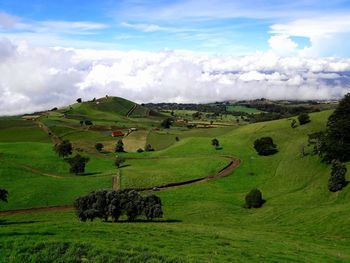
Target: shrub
[
  {"x": 149, "y": 148},
  {"x": 139, "y": 150},
  {"x": 303, "y": 118},
  {"x": 3, "y": 195},
  {"x": 265, "y": 146},
  {"x": 64, "y": 148},
  {"x": 215, "y": 143},
  {"x": 79, "y": 100},
  {"x": 119, "y": 161},
  {"x": 77, "y": 164},
  {"x": 99, "y": 146},
  {"x": 293, "y": 124},
  {"x": 177, "y": 138},
  {"x": 88, "y": 123},
  {"x": 120, "y": 146},
  {"x": 254, "y": 199},
  {"x": 337, "y": 179}
]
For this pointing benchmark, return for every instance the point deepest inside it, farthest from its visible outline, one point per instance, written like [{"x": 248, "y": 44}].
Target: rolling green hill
[{"x": 301, "y": 220}]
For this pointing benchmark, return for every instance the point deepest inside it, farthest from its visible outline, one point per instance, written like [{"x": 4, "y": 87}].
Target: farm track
[
  {"x": 131, "y": 110},
  {"x": 226, "y": 171}
]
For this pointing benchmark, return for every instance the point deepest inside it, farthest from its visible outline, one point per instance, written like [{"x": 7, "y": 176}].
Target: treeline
[{"x": 109, "y": 204}]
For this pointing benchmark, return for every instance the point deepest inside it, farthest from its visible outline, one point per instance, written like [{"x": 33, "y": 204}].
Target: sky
[{"x": 52, "y": 52}]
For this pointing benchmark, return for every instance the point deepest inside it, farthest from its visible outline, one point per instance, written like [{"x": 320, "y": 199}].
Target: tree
[
  {"x": 167, "y": 123},
  {"x": 64, "y": 148},
  {"x": 177, "y": 138},
  {"x": 99, "y": 146},
  {"x": 215, "y": 143},
  {"x": 337, "y": 179},
  {"x": 335, "y": 142},
  {"x": 119, "y": 161},
  {"x": 149, "y": 148},
  {"x": 120, "y": 146},
  {"x": 81, "y": 123},
  {"x": 265, "y": 146},
  {"x": 79, "y": 100},
  {"x": 152, "y": 207},
  {"x": 303, "y": 118},
  {"x": 3, "y": 195},
  {"x": 254, "y": 199},
  {"x": 88, "y": 123},
  {"x": 77, "y": 164},
  {"x": 139, "y": 150},
  {"x": 293, "y": 124}
]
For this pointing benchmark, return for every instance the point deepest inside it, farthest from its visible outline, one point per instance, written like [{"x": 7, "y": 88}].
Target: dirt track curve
[{"x": 226, "y": 171}]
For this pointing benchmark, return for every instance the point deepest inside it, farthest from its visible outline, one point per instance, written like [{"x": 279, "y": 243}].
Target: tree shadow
[
  {"x": 8, "y": 223},
  {"x": 218, "y": 148},
  {"x": 124, "y": 165},
  {"x": 146, "y": 221},
  {"x": 13, "y": 234},
  {"x": 86, "y": 174}
]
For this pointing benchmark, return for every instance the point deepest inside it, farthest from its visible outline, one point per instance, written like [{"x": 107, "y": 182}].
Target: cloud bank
[{"x": 35, "y": 79}]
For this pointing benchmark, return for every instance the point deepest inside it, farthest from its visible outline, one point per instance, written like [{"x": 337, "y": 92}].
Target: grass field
[
  {"x": 301, "y": 220},
  {"x": 241, "y": 108}
]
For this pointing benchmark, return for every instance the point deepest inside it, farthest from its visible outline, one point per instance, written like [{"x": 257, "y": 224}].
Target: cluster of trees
[
  {"x": 265, "y": 146},
  {"x": 333, "y": 144},
  {"x": 166, "y": 123},
  {"x": 3, "y": 195},
  {"x": 108, "y": 204},
  {"x": 303, "y": 118},
  {"x": 77, "y": 163}
]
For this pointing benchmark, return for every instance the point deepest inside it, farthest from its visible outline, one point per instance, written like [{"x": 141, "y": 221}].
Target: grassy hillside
[{"x": 301, "y": 220}]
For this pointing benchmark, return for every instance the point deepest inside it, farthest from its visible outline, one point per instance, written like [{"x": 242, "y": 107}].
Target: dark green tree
[
  {"x": 293, "y": 123},
  {"x": 119, "y": 161},
  {"x": 3, "y": 195},
  {"x": 335, "y": 144},
  {"x": 265, "y": 146},
  {"x": 303, "y": 118},
  {"x": 77, "y": 164},
  {"x": 64, "y": 148},
  {"x": 99, "y": 146},
  {"x": 215, "y": 142},
  {"x": 120, "y": 146},
  {"x": 88, "y": 123},
  {"x": 167, "y": 123},
  {"x": 254, "y": 199},
  {"x": 337, "y": 179},
  {"x": 139, "y": 150},
  {"x": 149, "y": 148},
  {"x": 152, "y": 207}
]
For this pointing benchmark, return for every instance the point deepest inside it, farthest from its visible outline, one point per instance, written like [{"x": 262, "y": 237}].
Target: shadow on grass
[
  {"x": 218, "y": 148},
  {"x": 125, "y": 165},
  {"x": 146, "y": 221},
  {"x": 9, "y": 223},
  {"x": 86, "y": 174},
  {"x": 13, "y": 234}
]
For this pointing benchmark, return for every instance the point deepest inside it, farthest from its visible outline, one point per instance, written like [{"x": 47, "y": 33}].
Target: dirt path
[
  {"x": 227, "y": 170},
  {"x": 131, "y": 110},
  {"x": 55, "y": 139}
]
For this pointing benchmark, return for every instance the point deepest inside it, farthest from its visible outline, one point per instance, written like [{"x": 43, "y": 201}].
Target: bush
[
  {"x": 105, "y": 204},
  {"x": 88, "y": 123},
  {"x": 120, "y": 146},
  {"x": 265, "y": 146},
  {"x": 139, "y": 150},
  {"x": 3, "y": 195},
  {"x": 119, "y": 161},
  {"x": 77, "y": 164},
  {"x": 215, "y": 143},
  {"x": 254, "y": 199},
  {"x": 99, "y": 146},
  {"x": 293, "y": 124},
  {"x": 149, "y": 148},
  {"x": 337, "y": 179},
  {"x": 64, "y": 148},
  {"x": 303, "y": 118}
]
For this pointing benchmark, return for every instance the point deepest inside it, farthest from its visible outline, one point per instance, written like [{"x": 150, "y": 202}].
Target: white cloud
[
  {"x": 7, "y": 21},
  {"x": 327, "y": 34},
  {"x": 41, "y": 78},
  {"x": 283, "y": 45}
]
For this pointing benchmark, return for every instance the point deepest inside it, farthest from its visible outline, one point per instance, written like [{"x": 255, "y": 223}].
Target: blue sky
[{"x": 306, "y": 27}]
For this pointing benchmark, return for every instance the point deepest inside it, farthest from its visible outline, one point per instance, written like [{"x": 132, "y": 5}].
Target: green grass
[
  {"x": 301, "y": 220},
  {"x": 240, "y": 108}
]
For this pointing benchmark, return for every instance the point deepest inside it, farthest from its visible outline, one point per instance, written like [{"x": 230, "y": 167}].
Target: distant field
[{"x": 240, "y": 108}]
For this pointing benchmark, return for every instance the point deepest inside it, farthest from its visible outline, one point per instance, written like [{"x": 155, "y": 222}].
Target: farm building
[{"x": 117, "y": 133}]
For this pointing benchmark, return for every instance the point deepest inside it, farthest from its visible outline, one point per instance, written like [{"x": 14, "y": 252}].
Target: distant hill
[{"x": 109, "y": 106}]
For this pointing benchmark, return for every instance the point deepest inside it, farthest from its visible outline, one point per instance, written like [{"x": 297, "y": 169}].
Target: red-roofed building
[{"x": 117, "y": 133}]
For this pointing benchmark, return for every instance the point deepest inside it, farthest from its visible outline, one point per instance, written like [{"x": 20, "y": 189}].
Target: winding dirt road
[{"x": 226, "y": 171}]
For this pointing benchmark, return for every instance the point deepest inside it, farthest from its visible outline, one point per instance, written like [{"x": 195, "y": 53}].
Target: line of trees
[{"x": 109, "y": 204}]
